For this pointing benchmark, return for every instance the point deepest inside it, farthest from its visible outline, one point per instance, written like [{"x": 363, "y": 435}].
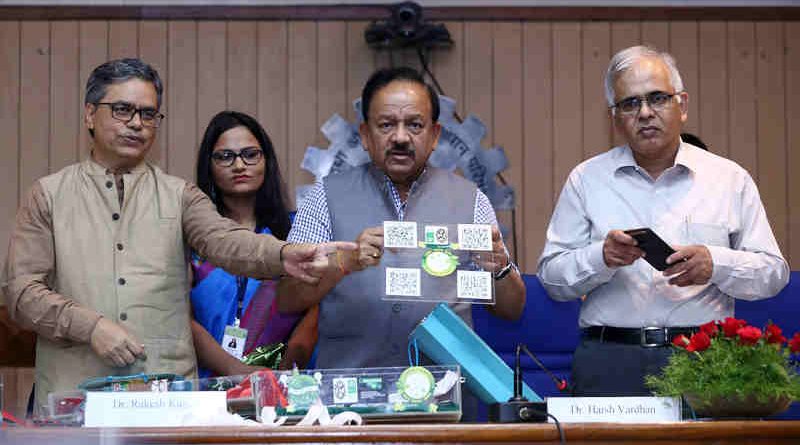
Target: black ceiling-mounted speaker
[{"x": 406, "y": 28}]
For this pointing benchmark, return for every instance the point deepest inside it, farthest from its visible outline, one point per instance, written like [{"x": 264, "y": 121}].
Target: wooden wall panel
[
  {"x": 331, "y": 75},
  {"x": 93, "y": 50},
  {"x": 34, "y": 125},
  {"x": 153, "y": 48},
  {"x": 656, "y": 34},
  {"x": 684, "y": 47},
  {"x": 65, "y": 117},
  {"x": 212, "y": 72},
  {"x": 507, "y": 109},
  {"x": 567, "y": 101},
  {"x": 123, "y": 39},
  {"x": 536, "y": 85},
  {"x": 303, "y": 104},
  {"x": 448, "y": 65},
  {"x": 184, "y": 132},
  {"x": 18, "y": 383},
  {"x": 478, "y": 69},
  {"x": 713, "y": 83},
  {"x": 9, "y": 127},
  {"x": 360, "y": 64},
  {"x": 624, "y": 35},
  {"x": 792, "y": 76},
  {"x": 770, "y": 90},
  {"x": 595, "y": 54},
  {"x": 242, "y": 67},
  {"x": 273, "y": 83},
  {"x": 742, "y": 95},
  {"x": 537, "y": 107}
]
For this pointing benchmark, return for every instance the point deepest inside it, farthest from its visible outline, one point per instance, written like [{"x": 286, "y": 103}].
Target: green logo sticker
[
  {"x": 439, "y": 262},
  {"x": 416, "y": 384},
  {"x": 302, "y": 391}
]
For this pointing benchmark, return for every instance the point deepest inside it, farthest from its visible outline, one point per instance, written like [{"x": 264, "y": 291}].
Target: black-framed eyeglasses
[
  {"x": 226, "y": 158},
  {"x": 657, "y": 100},
  {"x": 125, "y": 112}
]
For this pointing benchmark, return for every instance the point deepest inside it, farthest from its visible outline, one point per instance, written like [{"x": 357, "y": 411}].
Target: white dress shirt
[{"x": 702, "y": 199}]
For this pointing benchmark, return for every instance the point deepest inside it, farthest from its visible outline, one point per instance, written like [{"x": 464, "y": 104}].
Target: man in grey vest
[
  {"x": 97, "y": 262},
  {"x": 400, "y": 130}
]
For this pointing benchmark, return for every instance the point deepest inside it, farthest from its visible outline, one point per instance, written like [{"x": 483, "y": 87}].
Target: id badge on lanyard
[{"x": 234, "y": 338}]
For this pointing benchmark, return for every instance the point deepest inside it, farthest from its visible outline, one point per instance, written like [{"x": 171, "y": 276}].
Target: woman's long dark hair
[{"x": 270, "y": 208}]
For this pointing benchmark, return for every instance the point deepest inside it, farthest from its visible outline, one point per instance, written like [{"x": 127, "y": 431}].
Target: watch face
[{"x": 416, "y": 384}]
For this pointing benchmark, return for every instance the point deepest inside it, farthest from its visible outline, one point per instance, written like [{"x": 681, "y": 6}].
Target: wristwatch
[{"x": 500, "y": 274}]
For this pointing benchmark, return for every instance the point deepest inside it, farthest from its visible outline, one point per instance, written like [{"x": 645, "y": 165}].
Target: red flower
[
  {"x": 794, "y": 343},
  {"x": 749, "y": 335},
  {"x": 682, "y": 341},
  {"x": 774, "y": 334},
  {"x": 711, "y": 328},
  {"x": 700, "y": 342},
  {"x": 731, "y": 325}
]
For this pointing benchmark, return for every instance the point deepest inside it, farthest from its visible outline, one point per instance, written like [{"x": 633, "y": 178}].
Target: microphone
[
  {"x": 561, "y": 384},
  {"x": 519, "y": 408},
  {"x": 518, "y": 397}
]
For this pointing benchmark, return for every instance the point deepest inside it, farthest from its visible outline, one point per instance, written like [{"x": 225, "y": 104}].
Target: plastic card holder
[
  {"x": 395, "y": 394},
  {"x": 451, "y": 263}
]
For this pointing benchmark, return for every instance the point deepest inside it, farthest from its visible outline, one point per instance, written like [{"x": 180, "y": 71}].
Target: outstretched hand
[{"x": 309, "y": 262}]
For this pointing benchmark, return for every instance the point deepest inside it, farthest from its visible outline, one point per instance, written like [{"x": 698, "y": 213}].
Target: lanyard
[
  {"x": 412, "y": 345},
  {"x": 241, "y": 288}
]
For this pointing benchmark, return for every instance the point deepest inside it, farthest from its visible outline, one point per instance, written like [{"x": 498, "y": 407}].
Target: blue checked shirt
[{"x": 312, "y": 224}]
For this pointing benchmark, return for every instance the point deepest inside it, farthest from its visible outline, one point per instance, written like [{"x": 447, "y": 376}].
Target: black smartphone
[{"x": 656, "y": 250}]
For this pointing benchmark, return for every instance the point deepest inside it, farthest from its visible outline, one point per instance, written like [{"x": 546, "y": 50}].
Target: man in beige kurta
[{"x": 97, "y": 262}]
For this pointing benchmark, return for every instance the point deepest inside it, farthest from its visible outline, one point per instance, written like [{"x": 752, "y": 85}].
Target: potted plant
[{"x": 731, "y": 369}]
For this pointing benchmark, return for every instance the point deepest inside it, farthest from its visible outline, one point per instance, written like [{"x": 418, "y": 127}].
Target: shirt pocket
[{"x": 708, "y": 234}]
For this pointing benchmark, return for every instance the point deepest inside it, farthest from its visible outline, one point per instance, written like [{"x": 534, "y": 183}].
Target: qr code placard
[
  {"x": 345, "y": 390},
  {"x": 474, "y": 285},
  {"x": 401, "y": 234},
  {"x": 475, "y": 237},
  {"x": 403, "y": 282}
]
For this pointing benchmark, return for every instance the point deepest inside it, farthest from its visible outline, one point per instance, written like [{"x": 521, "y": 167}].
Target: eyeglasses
[
  {"x": 124, "y": 111},
  {"x": 657, "y": 100},
  {"x": 226, "y": 158}
]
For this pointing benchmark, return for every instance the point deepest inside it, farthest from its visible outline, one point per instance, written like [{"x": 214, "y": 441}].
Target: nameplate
[
  {"x": 615, "y": 409},
  {"x": 120, "y": 409}
]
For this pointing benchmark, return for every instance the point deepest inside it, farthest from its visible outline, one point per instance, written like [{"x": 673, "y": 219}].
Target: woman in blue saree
[{"x": 237, "y": 168}]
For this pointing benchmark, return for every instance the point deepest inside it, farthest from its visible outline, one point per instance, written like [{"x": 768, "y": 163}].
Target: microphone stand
[{"x": 518, "y": 408}]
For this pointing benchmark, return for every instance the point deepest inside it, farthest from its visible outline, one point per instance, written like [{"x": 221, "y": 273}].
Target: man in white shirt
[{"x": 706, "y": 207}]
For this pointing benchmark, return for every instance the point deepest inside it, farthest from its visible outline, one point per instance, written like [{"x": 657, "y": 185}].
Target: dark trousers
[{"x": 606, "y": 369}]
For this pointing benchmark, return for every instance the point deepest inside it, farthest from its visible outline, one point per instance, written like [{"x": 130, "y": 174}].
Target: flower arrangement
[{"x": 731, "y": 359}]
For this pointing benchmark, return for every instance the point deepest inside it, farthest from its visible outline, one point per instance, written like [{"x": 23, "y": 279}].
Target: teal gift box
[{"x": 446, "y": 339}]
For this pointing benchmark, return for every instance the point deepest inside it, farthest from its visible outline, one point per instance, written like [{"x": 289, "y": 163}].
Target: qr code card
[
  {"x": 474, "y": 285},
  {"x": 404, "y": 282},
  {"x": 475, "y": 237},
  {"x": 400, "y": 234},
  {"x": 345, "y": 390}
]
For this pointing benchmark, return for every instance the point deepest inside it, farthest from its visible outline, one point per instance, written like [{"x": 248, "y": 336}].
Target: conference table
[{"x": 701, "y": 432}]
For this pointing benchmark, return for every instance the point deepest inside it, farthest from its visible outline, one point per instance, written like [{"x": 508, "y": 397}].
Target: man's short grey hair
[
  {"x": 120, "y": 70},
  {"x": 623, "y": 60}
]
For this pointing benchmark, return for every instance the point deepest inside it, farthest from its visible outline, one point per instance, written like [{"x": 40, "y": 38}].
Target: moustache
[{"x": 404, "y": 149}]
